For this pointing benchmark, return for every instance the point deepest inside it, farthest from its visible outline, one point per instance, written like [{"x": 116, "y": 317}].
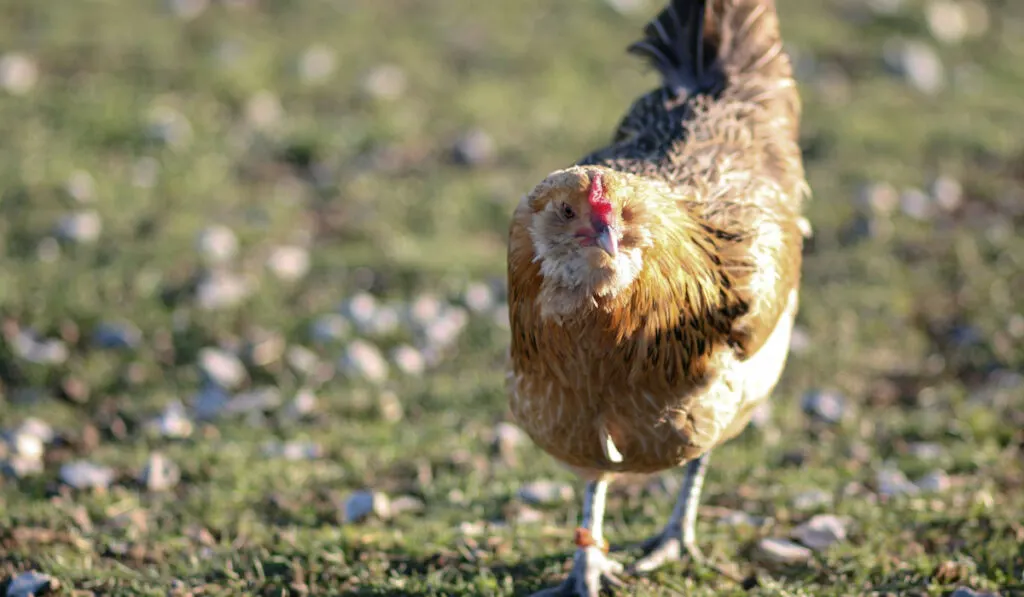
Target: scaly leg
[
  {"x": 680, "y": 533},
  {"x": 591, "y": 567}
]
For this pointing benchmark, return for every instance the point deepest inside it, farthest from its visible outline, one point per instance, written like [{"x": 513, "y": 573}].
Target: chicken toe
[{"x": 592, "y": 570}]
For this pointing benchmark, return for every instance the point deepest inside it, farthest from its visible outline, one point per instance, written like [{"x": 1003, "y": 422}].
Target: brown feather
[{"x": 710, "y": 188}]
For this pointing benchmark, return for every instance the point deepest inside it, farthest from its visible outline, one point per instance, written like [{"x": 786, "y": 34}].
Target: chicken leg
[
  {"x": 680, "y": 533},
  {"x": 591, "y": 567}
]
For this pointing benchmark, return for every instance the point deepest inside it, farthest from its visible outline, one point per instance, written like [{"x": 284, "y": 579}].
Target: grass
[{"x": 915, "y": 323}]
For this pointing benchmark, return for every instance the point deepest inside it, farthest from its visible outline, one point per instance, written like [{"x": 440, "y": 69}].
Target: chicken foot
[
  {"x": 592, "y": 568},
  {"x": 680, "y": 533}
]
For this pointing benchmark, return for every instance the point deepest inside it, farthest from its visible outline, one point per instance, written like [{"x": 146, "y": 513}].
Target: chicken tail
[{"x": 708, "y": 46}]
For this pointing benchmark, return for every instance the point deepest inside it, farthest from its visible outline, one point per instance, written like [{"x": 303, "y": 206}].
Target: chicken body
[{"x": 653, "y": 286}]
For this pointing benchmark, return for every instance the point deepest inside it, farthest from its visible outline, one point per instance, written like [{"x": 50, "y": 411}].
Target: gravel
[
  {"x": 83, "y": 474},
  {"x": 289, "y": 263},
  {"x": 18, "y": 73},
  {"x": 385, "y": 82},
  {"x": 408, "y": 360},
  {"x": 545, "y": 492},
  {"x": 918, "y": 63},
  {"x": 30, "y": 583},
  {"x": 117, "y": 335},
  {"x": 822, "y": 531},
  {"x": 221, "y": 289},
  {"x": 317, "y": 64},
  {"x": 363, "y": 360},
  {"x": 360, "y": 505},
  {"x": 782, "y": 551},
  {"x": 222, "y": 367},
  {"x": 217, "y": 244},
  {"x": 474, "y": 148},
  {"x": 812, "y": 499},
  {"x": 160, "y": 473},
  {"x": 893, "y": 482},
  {"x": 825, "y": 405}
]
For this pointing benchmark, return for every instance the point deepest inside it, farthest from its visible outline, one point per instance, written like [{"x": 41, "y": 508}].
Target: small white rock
[
  {"x": 363, "y": 360},
  {"x": 217, "y": 244},
  {"x": 20, "y": 467},
  {"x": 361, "y": 308},
  {"x": 879, "y": 198},
  {"x": 209, "y": 402},
  {"x": 117, "y": 335},
  {"x": 406, "y": 504},
  {"x": 934, "y": 482},
  {"x": 41, "y": 352},
  {"x": 329, "y": 328},
  {"x": 919, "y": 64},
  {"x": 782, "y": 551},
  {"x": 302, "y": 360},
  {"x": 82, "y": 474},
  {"x": 425, "y": 309},
  {"x": 83, "y": 227},
  {"x": 475, "y": 148},
  {"x": 304, "y": 404},
  {"x": 261, "y": 399},
  {"x": 479, "y": 297},
  {"x": 893, "y": 482},
  {"x": 507, "y": 435},
  {"x": 18, "y": 73},
  {"x": 977, "y": 17},
  {"x": 160, "y": 473},
  {"x": 926, "y": 450},
  {"x": 289, "y": 263},
  {"x": 390, "y": 407},
  {"x": 221, "y": 290},
  {"x": 947, "y": 21},
  {"x": 826, "y": 405},
  {"x": 387, "y": 82},
  {"x": 385, "y": 322},
  {"x": 545, "y": 492},
  {"x": 444, "y": 331},
  {"x": 361, "y": 504},
  {"x": 26, "y": 445},
  {"x": 187, "y": 9},
  {"x": 947, "y": 193},
  {"x": 811, "y": 499},
  {"x": 263, "y": 110},
  {"x": 916, "y": 204},
  {"x": 822, "y": 531},
  {"x": 627, "y": 7},
  {"x": 31, "y": 583},
  {"x": 221, "y": 367},
  {"x": 316, "y": 64},
  {"x": 173, "y": 422},
  {"x": 739, "y": 518},
  {"x": 293, "y": 450},
  {"x": 885, "y": 7},
  {"x": 81, "y": 186},
  {"x": 408, "y": 360},
  {"x": 168, "y": 126},
  {"x": 37, "y": 428}
]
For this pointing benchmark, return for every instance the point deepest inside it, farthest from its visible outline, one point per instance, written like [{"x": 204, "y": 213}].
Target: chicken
[{"x": 653, "y": 285}]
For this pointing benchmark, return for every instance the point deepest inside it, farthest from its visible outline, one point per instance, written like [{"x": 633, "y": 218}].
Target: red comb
[{"x": 599, "y": 203}]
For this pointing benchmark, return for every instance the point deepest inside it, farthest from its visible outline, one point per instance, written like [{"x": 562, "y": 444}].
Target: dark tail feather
[
  {"x": 677, "y": 47},
  {"x": 702, "y": 46}
]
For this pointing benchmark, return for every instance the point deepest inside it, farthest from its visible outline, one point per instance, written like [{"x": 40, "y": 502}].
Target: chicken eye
[{"x": 568, "y": 212}]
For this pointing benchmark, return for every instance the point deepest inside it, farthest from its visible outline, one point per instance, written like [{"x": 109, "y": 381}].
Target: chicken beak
[{"x": 608, "y": 240}]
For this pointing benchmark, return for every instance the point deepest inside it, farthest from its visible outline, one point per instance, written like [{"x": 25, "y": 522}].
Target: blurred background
[{"x": 252, "y": 300}]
